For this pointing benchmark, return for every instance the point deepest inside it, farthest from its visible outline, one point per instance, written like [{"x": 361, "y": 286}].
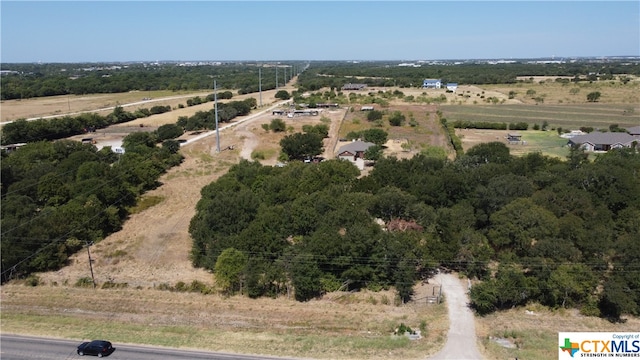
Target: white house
[
  {"x": 432, "y": 83},
  {"x": 452, "y": 87}
]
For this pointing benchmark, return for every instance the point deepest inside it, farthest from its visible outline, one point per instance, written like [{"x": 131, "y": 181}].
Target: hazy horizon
[{"x": 147, "y": 31}]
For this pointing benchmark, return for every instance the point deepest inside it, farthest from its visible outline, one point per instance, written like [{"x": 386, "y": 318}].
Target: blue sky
[{"x": 93, "y": 31}]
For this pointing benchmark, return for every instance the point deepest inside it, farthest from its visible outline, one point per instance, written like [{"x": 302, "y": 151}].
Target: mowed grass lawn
[{"x": 547, "y": 143}]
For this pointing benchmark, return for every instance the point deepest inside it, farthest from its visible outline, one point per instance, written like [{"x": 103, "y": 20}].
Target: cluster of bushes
[
  {"x": 467, "y": 124},
  {"x": 202, "y": 120},
  {"x": 454, "y": 140},
  {"x": 195, "y": 287},
  {"x": 373, "y": 135}
]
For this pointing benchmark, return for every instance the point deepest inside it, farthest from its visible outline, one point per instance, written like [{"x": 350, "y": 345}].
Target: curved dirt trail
[{"x": 461, "y": 339}]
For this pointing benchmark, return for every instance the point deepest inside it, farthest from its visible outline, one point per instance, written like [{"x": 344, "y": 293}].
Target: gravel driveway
[{"x": 461, "y": 340}]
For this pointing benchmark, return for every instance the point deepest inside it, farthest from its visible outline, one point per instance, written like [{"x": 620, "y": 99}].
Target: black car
[{"x": 99, "y": 348}]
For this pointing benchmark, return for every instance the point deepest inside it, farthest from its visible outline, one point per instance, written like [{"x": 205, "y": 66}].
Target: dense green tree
[
  {"x": 283, "y": 95},
  {"x": 492, "y": 152},
  {"x": 375, "y": 135},
  {"x": 299, "y": 146},
  {"x": 305, "y": 276},
  {"x": 519, "y": 224},
  {"x": 169, "y": 131},
  {"x": 229, "y": 269},
  {"x": 320, "y": 129},
  {"x": 571, "y": 284}
]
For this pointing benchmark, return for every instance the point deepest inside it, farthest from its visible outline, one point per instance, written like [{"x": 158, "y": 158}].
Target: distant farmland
[{"x": 569, "y": 117}]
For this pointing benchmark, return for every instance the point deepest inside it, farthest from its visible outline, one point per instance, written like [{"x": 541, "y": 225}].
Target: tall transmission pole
[
  {"x": 260, "y": 84},
  {"x": 215, "y": 105},
  {"x": 276, "y": 76}
]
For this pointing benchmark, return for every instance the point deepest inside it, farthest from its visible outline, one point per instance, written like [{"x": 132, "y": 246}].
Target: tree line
[
  {"x": 335, "y": 74},
  {"x": 60, "y": 196},
  {"x": 528, "y": 229},
  {"x": 23, "y": 131},
  {"x": 40, "y": 80}
]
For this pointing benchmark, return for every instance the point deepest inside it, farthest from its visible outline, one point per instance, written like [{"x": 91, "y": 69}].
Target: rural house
[
  {"x": 432, "y": 83},
  {"x": 634, "y": 131},
  {"x": 605, "y": 141},
  {"x": 452, "y": 87},
  {"x": 351, "y": 86},
  {"x": 354, "y": 152}
]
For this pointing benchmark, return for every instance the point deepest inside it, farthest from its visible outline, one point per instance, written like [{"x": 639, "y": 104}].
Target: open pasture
[
  {"x": 568, "y": 117},
  {"x": 547, "y": 143},
  {"x": 558, "y": 92}
]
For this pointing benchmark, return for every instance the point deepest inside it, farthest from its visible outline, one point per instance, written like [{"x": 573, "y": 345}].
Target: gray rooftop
[
  {"x": 604, "y": 138},
  {"x": 355, "y": 146},
  {"x": 635, "y": 130}
]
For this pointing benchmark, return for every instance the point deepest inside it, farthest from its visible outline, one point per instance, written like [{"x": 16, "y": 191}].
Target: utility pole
[
  {"x": 215, "y": 99},
  {"x": 260, "y": 84},
  {"x": 276, "y": 76},
  {"x": 93, "y": 280}
]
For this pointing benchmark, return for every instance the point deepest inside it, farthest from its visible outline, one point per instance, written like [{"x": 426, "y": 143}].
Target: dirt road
[{"x": 461, "y": 339}]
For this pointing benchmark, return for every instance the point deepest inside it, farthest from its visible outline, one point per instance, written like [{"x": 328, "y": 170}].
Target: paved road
[
  {"x": 235, "y": 123},
  {"x": 30, "y": 348},
  {"x": 461, "y": 340}
]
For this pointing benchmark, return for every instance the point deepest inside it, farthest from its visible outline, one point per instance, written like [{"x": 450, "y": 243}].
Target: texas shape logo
[{"x": 570, "y": 347}]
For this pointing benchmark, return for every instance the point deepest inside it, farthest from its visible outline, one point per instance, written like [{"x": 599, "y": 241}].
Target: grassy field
[
  {"x": 563, "y": 104},
  {"x": 534, "y": 331},
  {"x": 547, "y": 143},
  {"x": 553, "y": 92},
  {"x": 338, "y": 326},
  {"x": 569, "y": 117}
]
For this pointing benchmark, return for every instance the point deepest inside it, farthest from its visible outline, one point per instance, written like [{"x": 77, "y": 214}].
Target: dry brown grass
[
  {"x": 613, "y": 92},
  {"x": 152, "y": 249},
  {"x": 534, "y": 330},
  {"x": 338, "y": 326}
]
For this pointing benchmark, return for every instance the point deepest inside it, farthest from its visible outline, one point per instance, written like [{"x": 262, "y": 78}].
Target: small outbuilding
[{"x": 351, "y": 86}]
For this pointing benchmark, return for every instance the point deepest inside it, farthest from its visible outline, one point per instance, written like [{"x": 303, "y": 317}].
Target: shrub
[
  {"x": 374, "y": 115},
  {"x": 114, "y": 285},
  {"x": 402, "y": 329},
  {"x": 278, "y": 125},
  {"x": 32, "y": 280},
  {"x": 396, "y": 119},
  {"x": 84, "y": 282},
  {"x": 521, "y": 126},
  {"x": 258, "y": 155}
]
